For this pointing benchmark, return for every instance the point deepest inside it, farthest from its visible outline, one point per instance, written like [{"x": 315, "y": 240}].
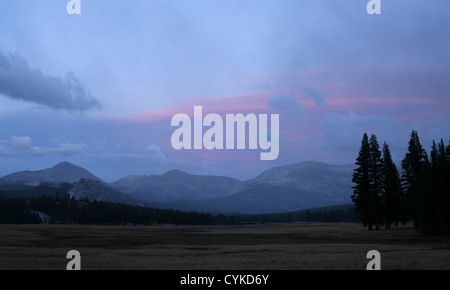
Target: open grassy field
[{"x": 293, "y": 246}]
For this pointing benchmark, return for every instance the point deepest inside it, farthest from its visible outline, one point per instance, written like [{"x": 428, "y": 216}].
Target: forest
[
  {"x": 328, "y": 214},
  {"x": 418, "y": 193},
  {"x": 53, "y": 209}
]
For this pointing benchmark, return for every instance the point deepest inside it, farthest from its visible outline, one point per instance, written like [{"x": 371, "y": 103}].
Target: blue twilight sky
[{"x": 99, "y": 89}]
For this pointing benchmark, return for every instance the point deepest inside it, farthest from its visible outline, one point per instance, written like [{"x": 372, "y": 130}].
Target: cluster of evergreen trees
[
  {"x": 67, "y": 210},
  {"x": 16, "y": 211},
  {"x": 421, "y": 192}
]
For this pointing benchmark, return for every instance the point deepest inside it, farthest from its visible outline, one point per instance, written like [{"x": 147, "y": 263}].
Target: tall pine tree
[
  {"x": 446, "y": 194},
  {"x": 436, "y": 202},
  {"x": 361, "y": 189},
  {"x": 391, "y": 196},
  {"x": 414, "y": 168},
  {"x": 368, "y": 183},
  {"x": 376, "y": 180}
]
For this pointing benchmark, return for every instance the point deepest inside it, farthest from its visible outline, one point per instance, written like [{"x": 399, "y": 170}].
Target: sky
[{"x": 99, "y": 89}]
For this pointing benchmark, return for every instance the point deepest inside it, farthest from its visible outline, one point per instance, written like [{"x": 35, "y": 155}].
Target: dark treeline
[
  {"x": 16, "y": 211},
  {"x": 420, "y": 193},
  {"x": 331, "y": 214},
  {"x": 29, "y": 191},
  {"x": 65, "y": 210},
  {"x": 328, "y": 216}
]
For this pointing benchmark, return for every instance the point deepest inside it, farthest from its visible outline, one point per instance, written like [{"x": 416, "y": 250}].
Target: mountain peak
[
  {"x": 175, "y": 173},
  {"x": 64, "y": 172},
  {"x": 64, "y": 164}
]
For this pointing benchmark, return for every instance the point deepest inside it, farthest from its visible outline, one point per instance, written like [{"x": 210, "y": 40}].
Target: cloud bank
[
  {"x": 19, "y": 81},
  {"x": 20, "y": 146}
]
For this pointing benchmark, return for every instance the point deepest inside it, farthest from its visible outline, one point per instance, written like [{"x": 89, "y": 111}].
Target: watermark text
[
  {"x": 73, "y": 7},
  {"x": 213, "y": 137}
]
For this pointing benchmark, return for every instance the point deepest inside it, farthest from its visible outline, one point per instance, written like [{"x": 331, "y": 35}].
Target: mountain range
[
  {"x": 175, "y": 185},
  {"x": 285, "y": 188}
]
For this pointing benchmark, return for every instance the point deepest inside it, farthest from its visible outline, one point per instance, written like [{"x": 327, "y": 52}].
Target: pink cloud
[
  {"x": 255, "y": 102},
  {"x": 353, "y": 100}
]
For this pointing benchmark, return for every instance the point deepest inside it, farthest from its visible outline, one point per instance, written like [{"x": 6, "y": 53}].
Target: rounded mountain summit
[{"x": 60, "y": 173}]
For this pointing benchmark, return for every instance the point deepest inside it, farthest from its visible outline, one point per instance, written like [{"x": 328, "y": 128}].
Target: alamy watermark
[
  {"x": 374, "y": 7},
  {"x": 375, "y": 262},
  {"x": 74, "y": 7},
  {"x": 213, "y": 137},
  {"x": 75, "y": 260},
  {"x": 75, "y": 264}
]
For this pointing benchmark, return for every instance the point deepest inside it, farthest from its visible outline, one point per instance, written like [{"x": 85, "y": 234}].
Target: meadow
[{"x": 281, "y": 246}]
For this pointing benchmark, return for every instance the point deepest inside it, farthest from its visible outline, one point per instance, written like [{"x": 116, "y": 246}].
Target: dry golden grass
[{"x": 239, "y": 247}]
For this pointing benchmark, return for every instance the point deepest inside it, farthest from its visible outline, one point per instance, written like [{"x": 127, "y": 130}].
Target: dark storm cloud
[{"x": 19, "y": 81}]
